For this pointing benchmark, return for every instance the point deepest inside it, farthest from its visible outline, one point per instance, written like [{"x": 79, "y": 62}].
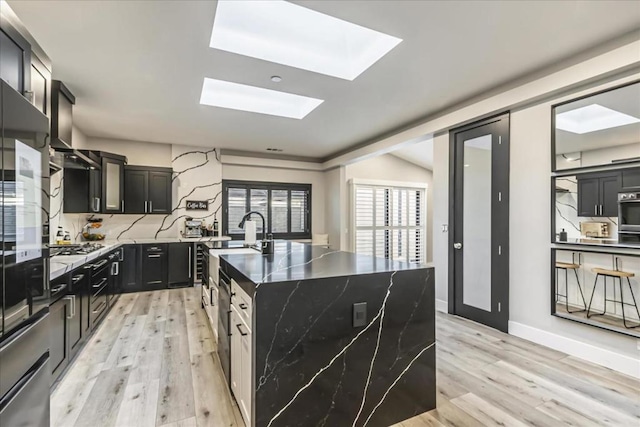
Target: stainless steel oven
[{"x": 629, "y": 217}]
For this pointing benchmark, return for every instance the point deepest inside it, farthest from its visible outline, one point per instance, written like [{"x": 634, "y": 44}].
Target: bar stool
[
  {"x": 566, "y": 267},
  {"x": 619, "y": 275}
]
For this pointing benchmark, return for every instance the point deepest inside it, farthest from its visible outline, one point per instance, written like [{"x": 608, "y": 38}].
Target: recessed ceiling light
[
  {"x": 592, "y": 118},
  {"x": 276, "y": 79},
  {"x": 219, "y": 93},
  {"x": 288, "y": 34}
]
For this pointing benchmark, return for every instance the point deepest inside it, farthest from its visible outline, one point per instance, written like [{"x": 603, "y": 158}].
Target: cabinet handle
[
  {"x": 244, "y": 334},
  {"x": 153, "y": 256},
  {"x": 600, "y": 210},
  {"x": 123, "y": 206},
  {"x": 189, "y": 262},
  {"x": 595, "y": 210},
  {"x": 243, "y": 306},
  {"x": 145, "y": 206},
  {"x": 150, "y": 206}
]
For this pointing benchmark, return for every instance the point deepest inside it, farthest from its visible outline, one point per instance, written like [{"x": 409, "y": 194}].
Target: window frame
[
  {"x": 391, "y": 185},
  {"x": 269, "y": 186}
]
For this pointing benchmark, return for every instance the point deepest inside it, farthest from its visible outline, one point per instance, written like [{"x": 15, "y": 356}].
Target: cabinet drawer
[{"x": 242, "y": 303}]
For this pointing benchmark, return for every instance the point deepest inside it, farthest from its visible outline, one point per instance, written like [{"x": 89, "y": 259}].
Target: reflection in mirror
[
  {"x": 578, "y": 288},
  {"x": 579, "y": 214},
  {"x": 599, "y": 129}
]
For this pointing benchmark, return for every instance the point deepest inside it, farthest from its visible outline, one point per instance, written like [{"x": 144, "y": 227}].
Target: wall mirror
[{"x": 599, "y": 129}]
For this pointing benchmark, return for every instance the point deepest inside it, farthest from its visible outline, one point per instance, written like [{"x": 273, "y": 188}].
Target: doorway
[{"x": 479, "y": 222}]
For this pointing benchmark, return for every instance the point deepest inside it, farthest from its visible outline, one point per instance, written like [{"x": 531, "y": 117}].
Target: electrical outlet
[{"x": 445, "y": 228}]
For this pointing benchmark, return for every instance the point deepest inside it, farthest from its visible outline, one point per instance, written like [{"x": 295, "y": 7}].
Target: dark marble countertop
[
  {"x": 298, "y": 261},
  {"x": 592, "y": 241}
]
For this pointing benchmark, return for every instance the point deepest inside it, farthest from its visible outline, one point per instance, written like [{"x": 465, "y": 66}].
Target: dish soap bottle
[{"x": 60, "y": 236}]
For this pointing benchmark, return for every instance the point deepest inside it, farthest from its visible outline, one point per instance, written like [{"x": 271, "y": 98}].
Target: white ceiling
[
  {"x": 420, "y": 154},
  {"x": 137, "y": 67},
  {"x": 625, "y": 100}
]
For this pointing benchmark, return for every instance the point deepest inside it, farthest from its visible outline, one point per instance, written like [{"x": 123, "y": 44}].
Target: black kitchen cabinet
[
  {"x": 112, "y": 182},
  {"x": 131, "y": 268},
  {"x": 147, "y": 190},
  {"x": 60, "y": 312},
  {"x": 598, "y": 194},
  {"x": 180, "y": 264},
  {"x": 154, "y": 266},
  {"x": 62, "y": 101},
  {"x": 15, "y": 58},
  {"x": 82, "y": 191},
  {"x": 630, "y": 179},
  {"x": 40, "y": 85}
]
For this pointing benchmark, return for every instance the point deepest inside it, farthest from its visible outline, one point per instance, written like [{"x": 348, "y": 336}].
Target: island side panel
[{"x": 313, "y": 368}]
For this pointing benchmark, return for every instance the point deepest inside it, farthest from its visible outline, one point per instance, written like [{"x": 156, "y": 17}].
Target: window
[
  {"x": 286, "y": 208},
  {"x": 389, "y": 222}
]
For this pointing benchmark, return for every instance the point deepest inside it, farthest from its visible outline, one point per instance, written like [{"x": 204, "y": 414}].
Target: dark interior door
[{"x": 479, "y": 215}]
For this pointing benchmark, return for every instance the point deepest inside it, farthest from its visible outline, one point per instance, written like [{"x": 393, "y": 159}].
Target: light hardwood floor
[{"x": 152, "y": 363}]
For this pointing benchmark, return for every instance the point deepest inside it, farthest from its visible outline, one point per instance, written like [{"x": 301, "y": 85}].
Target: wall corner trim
[{"x": 612, "y": 360}]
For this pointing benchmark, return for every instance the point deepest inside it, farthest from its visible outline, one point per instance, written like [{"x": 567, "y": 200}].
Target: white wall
[
  {"x": 137, "y": 152},
  {"x": 387, "y": 167},
  {"x": 336, "y": 207},
  {"x": 530, "y": 245},
  {"x": 315, "y": 178}
]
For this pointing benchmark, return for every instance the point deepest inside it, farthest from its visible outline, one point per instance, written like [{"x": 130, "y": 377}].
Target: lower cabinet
[
  {"x": 180, "y": 264},
  {"x": 131, "y": 268},
  {"x": 241, "y": 354},
  {"x": 154, "y": 266},
  {"x": 59, "y": 337}
]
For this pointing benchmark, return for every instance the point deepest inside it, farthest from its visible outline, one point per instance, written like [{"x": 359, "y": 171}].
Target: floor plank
[{"x": 152, "y": 362}]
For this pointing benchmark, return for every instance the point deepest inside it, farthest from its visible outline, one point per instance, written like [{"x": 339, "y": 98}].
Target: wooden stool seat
[
  {"x": 612, "y": 273},
  {"x": 567, "y": 266}
]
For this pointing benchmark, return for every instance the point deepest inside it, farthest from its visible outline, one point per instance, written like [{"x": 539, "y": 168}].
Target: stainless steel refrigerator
[{"x": 24, "y": 283}]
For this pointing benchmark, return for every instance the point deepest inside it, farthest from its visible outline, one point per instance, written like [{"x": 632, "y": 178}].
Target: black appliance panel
[
  {"x": 629, "y": 212},
  {"x": 224, "y": 333},
  {"x": 28, "y": 403},
  {"x": 24, "y": 223}
]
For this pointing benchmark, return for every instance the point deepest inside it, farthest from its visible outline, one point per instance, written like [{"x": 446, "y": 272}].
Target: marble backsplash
[
  {"x": 567, "y": 210},
  {"x": 197, "y": 176}
]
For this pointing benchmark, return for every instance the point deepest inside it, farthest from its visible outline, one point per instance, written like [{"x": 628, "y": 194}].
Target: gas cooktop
[{"x": 83, "y": 249}]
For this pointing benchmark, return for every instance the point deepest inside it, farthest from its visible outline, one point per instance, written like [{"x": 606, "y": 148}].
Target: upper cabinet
[
  {"x": 597, "y": 130},
  {"x": 147, "y": 190},
  {"x": 15, "y": 58},
  {"x": 598, "y": 195},
  {"x": 112, "y": 183},
  {"x": 40, "y": 85},
  {"x": 62, "y": 101}
]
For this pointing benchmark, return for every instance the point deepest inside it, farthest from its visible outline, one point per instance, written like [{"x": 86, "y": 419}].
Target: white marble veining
[{"x": 61, "y": 264}]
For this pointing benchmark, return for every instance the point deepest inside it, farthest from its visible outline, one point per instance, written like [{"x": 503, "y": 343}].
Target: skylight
[
  {"x": 288, "y": 34},
  {"x": 219, "y": 93},
  {"x": 592, "y": 118}
]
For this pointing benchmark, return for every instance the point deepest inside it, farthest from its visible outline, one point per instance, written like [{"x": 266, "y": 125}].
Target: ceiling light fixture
[
  {"x": 289, "y": 34},
  {"x": 276, "y": 79},
  {"x": 592, "y": 118},
  {"x": 220, "y": 93}
]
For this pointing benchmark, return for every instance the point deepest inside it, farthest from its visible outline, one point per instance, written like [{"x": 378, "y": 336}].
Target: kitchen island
[{"x": 328, "y": 338}]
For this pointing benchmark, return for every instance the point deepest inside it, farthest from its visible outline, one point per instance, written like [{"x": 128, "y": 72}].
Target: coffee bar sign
[{"x": 197, "y": 205}]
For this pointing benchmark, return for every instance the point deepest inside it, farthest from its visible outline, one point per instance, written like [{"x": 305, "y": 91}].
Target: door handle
[{"x": 457, "y": 246}]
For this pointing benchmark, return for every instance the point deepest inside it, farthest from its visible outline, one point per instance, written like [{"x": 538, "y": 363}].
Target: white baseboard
[
  {"x": 618, "y": 362},
  {"x": 441, "y": 305}
]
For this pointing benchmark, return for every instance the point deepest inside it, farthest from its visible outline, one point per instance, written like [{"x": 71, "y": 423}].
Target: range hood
[{"x": 71, "y": 158}]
